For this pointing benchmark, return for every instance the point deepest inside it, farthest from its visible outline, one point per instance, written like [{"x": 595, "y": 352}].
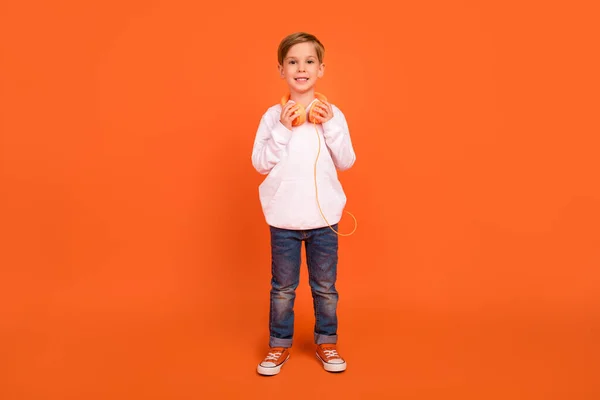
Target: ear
[
  {"x": 280, "y": 68},
  {"x": 321, "y": 71}
]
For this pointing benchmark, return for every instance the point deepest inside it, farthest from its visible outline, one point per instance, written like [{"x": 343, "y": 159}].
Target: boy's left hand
[{"x": 323, "y": 111}]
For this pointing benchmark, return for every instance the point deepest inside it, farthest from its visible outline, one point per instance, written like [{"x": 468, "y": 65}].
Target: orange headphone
[{"x": 299, "y": 120}]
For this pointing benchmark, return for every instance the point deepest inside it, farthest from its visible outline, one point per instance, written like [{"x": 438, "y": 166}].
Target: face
[{"x": 301, "y": 67}]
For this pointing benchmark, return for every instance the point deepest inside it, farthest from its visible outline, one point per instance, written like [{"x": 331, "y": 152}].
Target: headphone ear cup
[
  {"x": 312, "y": 113},
  {"x": 301, "y": 118}
]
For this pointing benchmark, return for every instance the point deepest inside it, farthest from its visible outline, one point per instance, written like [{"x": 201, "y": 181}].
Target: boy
[{"x": 288, "y": 198}]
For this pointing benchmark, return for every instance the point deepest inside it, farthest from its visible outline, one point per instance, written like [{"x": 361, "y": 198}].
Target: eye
[
  {"x": 292, "y": 62},
  {"x": 310, "y": 61}
]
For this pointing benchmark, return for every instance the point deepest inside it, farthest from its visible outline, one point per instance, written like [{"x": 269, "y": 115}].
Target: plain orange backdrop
[{"x": 134, "y": 253}]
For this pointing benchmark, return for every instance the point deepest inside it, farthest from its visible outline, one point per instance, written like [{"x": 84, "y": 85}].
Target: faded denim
[{"x": 322, "y": 258}]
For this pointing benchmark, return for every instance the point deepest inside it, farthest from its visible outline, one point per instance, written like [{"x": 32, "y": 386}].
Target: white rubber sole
[
  {"x": 332, "y": 367},
  {"x": 269, "y": 371}
]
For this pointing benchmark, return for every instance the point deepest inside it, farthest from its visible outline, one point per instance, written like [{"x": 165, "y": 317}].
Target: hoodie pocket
[
  {"x": 279, "y": 192},
  {"x": 331, "y": 200},
  {"x": 337, "y": 190}
]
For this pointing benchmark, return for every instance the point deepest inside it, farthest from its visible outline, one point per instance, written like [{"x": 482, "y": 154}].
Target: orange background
[{"x": 135, "y": 258}]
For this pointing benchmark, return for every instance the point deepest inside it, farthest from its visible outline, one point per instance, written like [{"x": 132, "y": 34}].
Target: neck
[{"x": 303, "y": 98}]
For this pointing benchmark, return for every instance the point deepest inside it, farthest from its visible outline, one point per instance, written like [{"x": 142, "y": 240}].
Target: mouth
[{"x": 301, "y": 79}]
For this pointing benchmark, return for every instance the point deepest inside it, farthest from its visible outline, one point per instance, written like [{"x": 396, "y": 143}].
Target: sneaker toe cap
[{"x": 267, "y": 364}]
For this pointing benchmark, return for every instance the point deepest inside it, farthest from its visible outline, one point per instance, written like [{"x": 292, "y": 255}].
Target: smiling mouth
[{"x": 301, "y": 79}]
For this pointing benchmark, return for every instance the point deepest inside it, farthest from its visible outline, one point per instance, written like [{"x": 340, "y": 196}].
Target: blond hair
[{"x": 299, "y": 37}]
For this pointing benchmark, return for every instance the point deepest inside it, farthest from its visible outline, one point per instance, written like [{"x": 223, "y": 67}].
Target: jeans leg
[
  {"x": 285, "y": 272},
  {"x": 322, "y": 260}
]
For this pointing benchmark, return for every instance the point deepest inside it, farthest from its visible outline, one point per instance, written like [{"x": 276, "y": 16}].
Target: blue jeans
[{"x": 321, "y": 258}]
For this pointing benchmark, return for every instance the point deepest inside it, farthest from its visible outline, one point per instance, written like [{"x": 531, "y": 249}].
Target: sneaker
[
  {"x": 274, "y": 360},
  {"x": 328, "y": 355}
]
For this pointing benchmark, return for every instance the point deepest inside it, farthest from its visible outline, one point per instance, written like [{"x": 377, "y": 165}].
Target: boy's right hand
[{"x": 288, "y": 114}]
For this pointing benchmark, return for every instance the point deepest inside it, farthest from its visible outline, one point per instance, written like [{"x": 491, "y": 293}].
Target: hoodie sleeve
[
  {"x": 337, "y": 138},
  {"x": 270, "y": 143}
]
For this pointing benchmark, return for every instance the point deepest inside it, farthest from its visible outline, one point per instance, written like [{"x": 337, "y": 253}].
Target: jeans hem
[
  {"x": 278, "y": 342},
  {"x": 325, "y": 339}
]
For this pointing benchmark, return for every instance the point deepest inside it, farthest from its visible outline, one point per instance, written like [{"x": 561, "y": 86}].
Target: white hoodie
[{"x": 287, "y": 194}]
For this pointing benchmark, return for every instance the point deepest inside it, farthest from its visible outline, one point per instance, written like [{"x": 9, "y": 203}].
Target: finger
[
  {"x": 289, "y": 105},
  {"x": 290, "y": 109},
  {"x": 321, "y": 112},
  {"x": 326, "y": 107}
]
